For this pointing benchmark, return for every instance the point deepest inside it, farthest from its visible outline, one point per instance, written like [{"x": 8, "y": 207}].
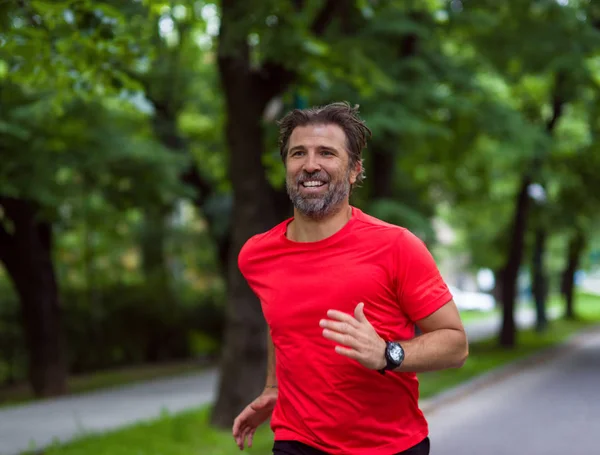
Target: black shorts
[{"x": 297, "y": 448}]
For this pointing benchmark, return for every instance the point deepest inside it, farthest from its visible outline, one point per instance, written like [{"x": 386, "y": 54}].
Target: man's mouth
[{"x": 312, "y": 183}]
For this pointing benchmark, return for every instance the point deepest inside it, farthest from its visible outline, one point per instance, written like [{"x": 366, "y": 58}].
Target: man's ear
[{"x": 356, "y": 170}]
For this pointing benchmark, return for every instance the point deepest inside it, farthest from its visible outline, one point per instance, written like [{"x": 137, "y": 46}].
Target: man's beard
[{"x": 318, "y": 206}]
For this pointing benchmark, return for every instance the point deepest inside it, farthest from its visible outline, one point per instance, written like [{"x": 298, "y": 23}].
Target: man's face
[{"x": 318, "y": 171}]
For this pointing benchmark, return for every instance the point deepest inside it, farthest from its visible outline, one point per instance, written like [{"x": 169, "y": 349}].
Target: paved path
[
  {"x": 552, "y": 409},
  {"x": 67, "y": 417},
  {"x": 64, "y": 418}
]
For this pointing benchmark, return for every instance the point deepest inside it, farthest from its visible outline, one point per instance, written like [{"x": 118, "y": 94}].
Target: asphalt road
[{"x": 550, "y": 409}]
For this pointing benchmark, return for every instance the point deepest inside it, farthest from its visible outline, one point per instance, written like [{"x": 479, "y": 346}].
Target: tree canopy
[{"x": 138, "y": 144}]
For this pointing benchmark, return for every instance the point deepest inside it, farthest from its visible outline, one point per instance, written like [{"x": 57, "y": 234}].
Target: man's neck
[{"x": 305, "y": 229}]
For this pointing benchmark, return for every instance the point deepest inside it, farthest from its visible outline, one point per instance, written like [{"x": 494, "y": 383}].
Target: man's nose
[{"x": 312, "y": 163}]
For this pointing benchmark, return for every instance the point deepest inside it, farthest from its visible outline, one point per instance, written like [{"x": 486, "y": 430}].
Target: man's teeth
[{"x": 313, "y": 183}]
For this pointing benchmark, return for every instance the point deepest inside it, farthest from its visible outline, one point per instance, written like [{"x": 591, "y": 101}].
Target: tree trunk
[
  {"x": 205, "y": 191},
  {"x": 26, "y": 253},
  {"x": 510, "y": 272},
  {"x": 511, "y": 269},
  {"x": 152, "y": 242},
  {"x": 382, "y": 170},
  {"x": 255, "y": 204},
  {"x": 156, "y": 274},
  {"x": 243, "y": 363},
  {"x": 574, "y": 251},
  {"x": 539, "y": 279},
  {"x": 383, "y": 157},
  {"x": 497, "y": 291},
  {"x": 165, "y": 128}
]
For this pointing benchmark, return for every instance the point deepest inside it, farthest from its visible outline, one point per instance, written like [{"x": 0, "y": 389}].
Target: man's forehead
[{"x": 318, "y": 134}]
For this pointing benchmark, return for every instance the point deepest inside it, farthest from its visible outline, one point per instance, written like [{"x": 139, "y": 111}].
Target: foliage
[
  {"x": 89, "y": 148},
  {"x": 68, "y": 48},
  {"x": 126, "y": 325},
  {"x": 106, "y": 106}
]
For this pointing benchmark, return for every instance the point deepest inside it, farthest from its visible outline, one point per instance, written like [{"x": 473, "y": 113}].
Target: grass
[
  {"x": 22, "y": 393},
  {"x": 186, "y": 433},
  {"x": 189, "y": 433},
  {"x": 468, "y": 316}
]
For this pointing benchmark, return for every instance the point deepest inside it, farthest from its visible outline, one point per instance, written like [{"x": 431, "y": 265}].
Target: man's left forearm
[{"x": 436, "y": 350}]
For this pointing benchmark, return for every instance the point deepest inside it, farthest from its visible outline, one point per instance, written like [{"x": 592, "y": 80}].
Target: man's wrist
[
  {"x": 393, "y": 355},
  {"x": 382, "y": 357}
]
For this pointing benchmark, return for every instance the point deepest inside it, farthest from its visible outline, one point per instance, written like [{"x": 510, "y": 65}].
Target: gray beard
[{"x": 319, "y": 207}]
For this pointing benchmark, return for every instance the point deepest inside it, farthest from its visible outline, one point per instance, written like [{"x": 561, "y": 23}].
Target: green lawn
[
  {"x": 188, "y": 433},
  {"x": 468, "y": 316}
]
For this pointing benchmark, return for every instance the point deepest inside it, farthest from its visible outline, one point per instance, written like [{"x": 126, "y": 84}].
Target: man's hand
[
  {"x": 357, "y": 336},
  {"x": 254, "y": 415}
]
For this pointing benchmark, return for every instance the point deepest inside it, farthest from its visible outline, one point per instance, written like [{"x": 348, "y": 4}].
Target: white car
[{"x": 469, "y": 300}]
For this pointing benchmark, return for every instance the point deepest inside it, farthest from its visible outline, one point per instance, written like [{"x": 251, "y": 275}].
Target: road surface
[{"x": 552, "y": 409}]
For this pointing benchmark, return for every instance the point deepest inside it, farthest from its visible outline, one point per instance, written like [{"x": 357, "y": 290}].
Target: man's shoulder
[
  {"x": 261, "y": 242},
  {"x": 388, "y": 230},
  {"x": 400, "y": 237}
]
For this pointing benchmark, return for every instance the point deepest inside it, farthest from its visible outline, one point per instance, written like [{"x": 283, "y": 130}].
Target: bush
[
  {"x": 121, "y": 325},
  {"x": 136, "y": 324}
]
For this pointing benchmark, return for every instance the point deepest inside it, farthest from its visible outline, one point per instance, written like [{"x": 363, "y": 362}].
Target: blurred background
[{"x": 138, "y": 152}]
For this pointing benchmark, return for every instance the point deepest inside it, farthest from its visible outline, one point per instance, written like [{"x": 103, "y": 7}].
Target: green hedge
[{"x": 121, "y": 325}]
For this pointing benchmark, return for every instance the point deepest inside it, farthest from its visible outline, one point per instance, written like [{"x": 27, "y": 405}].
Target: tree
[
  {"x": 515, "y": 62},
  {"x": 576, "y": 207},
  {"x": 252, "y": 75},
  {"x": 46, "y": 70}
]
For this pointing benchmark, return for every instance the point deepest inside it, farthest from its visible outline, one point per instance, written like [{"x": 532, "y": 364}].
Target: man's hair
[{"x": 341, "y": 114}]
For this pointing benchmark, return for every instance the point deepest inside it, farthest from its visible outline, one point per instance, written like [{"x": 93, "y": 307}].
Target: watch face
[{"x": 395, "y": 352}]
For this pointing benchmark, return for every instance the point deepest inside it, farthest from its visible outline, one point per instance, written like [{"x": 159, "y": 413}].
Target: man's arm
[
  {"x": 271, "y": 376},
  {"x": 442, "y": 345}
]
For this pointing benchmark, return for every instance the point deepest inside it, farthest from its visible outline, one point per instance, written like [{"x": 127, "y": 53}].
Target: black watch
[{"x": 394, "y": 355}]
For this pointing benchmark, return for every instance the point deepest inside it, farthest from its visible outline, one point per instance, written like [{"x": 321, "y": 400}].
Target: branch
[
  {"x": 6, "y": 239},
  {"x": 204, "y": 188},
  {"x": 273, "y": 77},
  {"x": 326, "y": 15},
  {"x": 32, "y": 17},
  {"x": 558, "y": 101}
]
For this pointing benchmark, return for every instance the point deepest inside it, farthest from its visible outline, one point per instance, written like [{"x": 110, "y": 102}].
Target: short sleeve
[
  {"x": 245, "y": 255},
  {"x": 420, "y": 286}
]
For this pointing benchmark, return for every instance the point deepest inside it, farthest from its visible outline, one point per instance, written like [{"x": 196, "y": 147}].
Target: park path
[
  {"x": 39, "y": 424},
  {"x": 549, "y": 409}
]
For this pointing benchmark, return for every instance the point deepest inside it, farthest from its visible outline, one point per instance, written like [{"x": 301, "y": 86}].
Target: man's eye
[{"x": 326, "y": 152}]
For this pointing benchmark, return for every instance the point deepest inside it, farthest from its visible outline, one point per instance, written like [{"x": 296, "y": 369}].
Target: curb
[{"x": 430, "y": 405}]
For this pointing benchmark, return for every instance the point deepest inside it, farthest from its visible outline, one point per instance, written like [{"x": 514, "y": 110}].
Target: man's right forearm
[{"x": 271, "y": 376}]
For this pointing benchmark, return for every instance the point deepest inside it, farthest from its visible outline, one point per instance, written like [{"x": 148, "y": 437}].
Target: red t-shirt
[{"x": 326, "y": 400}]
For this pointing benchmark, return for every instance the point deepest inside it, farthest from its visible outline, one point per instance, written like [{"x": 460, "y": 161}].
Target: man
[{"x": 341, "y": 292}]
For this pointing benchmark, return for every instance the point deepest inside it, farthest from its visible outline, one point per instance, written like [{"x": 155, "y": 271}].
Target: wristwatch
[{"x": 394, "y": 355}]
